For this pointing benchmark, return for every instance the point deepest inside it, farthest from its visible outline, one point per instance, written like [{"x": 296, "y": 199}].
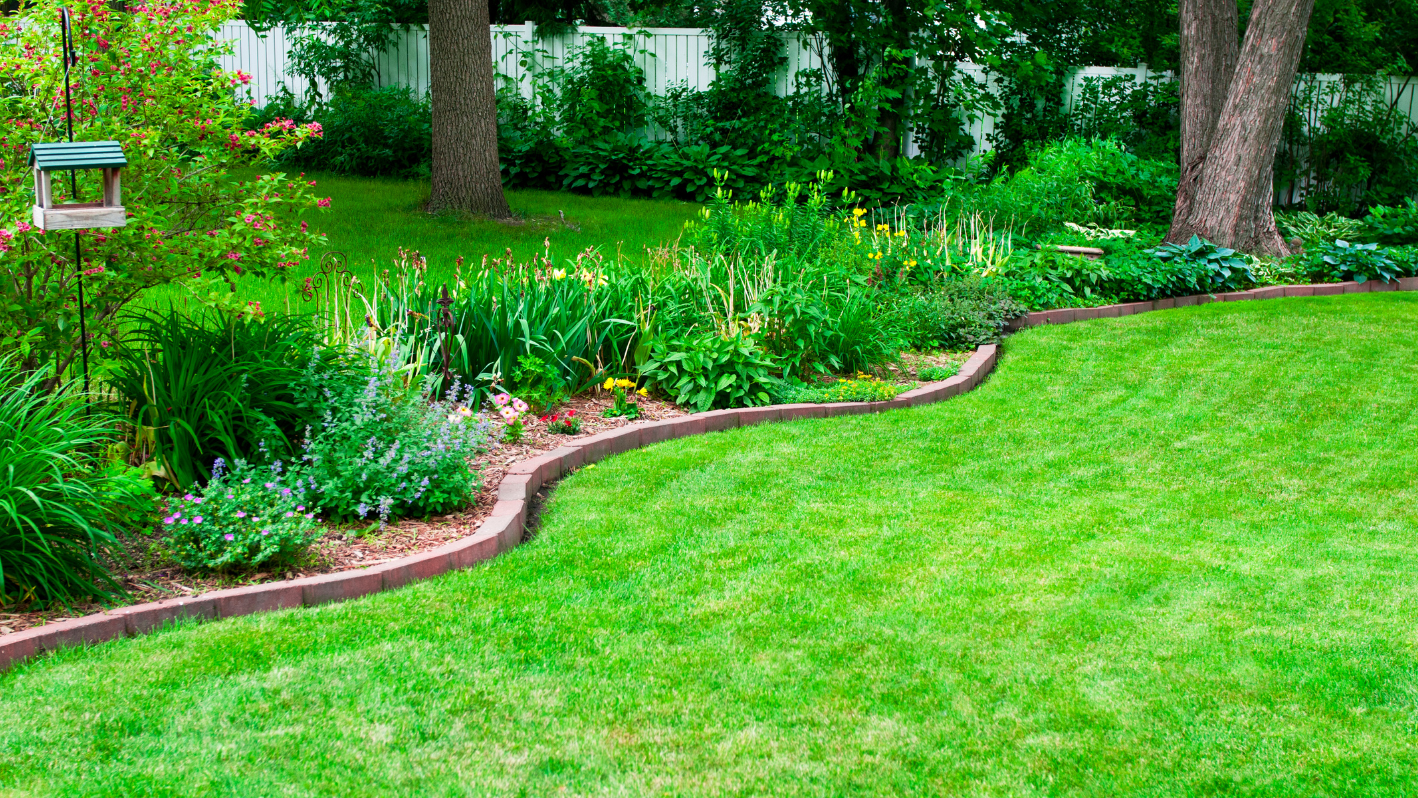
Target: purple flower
[
  {"x": 183, "y": 521},
  {"x": 288, "y": 515},
  {"x": 167, "y": 520},
  {"x": 246, "y": 481},
  {"x": 231, "y": 495},
  {"x": 285, "y": 492},
  {"x": 270, "y": 484},
  {"x": 240, "y": 513},
  {"x": 177, "y": 515},
  {"x": 310, "y": 515},
  {"x": 300, "y": 507},
  {"x": 187, "y": 496},
  {"x": 229, "y": 536},
  {"x": 265, "y": 532}
]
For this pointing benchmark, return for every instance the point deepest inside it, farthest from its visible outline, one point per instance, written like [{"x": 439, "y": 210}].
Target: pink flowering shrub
[{"x": 147, "y": 78}]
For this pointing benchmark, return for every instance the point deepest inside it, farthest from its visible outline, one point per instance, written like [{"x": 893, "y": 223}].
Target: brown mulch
[{"x": 149, "y": 577}]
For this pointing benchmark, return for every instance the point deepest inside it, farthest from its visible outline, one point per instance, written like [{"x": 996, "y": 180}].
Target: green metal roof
[{"x": 63, "y": 156}]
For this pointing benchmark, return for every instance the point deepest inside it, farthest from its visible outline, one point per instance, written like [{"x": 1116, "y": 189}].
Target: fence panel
[{"x": 670, "y": 57}]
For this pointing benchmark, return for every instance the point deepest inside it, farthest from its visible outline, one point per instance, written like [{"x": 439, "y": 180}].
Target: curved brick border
[
  {"x": 501, "y": 531},
  {"x": 1066, "y": 315}
]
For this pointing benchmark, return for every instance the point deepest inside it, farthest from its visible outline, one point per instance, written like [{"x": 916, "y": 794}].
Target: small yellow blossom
[
  {"x": 559, "y": 274},
  {"x": 859, "y": 212},
  {"x": 644, "y": 391},
  {"x": 608, "y": 384},
  {"x": 624, "y": 384}
]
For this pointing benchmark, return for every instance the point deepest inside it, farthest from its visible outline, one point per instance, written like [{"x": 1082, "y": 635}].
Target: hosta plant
[{"x": 710, "y": 371}]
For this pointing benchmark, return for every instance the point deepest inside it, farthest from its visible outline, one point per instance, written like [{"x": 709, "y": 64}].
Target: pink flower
[
  {"x": 229, "y": 536},
  {"x": 324, "y": 203},
  {"x": 197, "y": 520},
  {"x": 167, "y": 520},
  {"x": 240, "y": 513},
  {"x": 501, "y": 399}
]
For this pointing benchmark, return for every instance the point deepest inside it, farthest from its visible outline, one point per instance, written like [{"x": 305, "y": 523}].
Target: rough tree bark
[
  {"x": 1229, "y": 201},
  {"x": 466, "y": 173},
  {"x": 1209, "y": 49}
]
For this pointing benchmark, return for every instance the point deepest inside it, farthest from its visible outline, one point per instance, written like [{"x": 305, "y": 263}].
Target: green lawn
[
  {"x": 370, "y": 219},
  {"x": 1167, "y": 555}
]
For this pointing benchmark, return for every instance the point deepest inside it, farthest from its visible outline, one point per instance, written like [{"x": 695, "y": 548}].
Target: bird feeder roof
[{"x": 63, "y": 156}]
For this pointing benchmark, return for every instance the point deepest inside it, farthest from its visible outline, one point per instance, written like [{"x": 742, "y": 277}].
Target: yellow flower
[
  {"x": 624, "y": 384},
  {"x": 644, "y": 391},
  {"x": 609, "y": 384},
  {"x": 859, "y": 212},
  {"x": 559, "y": 274},
  {"x": 883, "y": 227}
]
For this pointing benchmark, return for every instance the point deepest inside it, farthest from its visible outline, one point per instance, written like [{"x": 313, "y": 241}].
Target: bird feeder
[{"x": 72, "y": 156}]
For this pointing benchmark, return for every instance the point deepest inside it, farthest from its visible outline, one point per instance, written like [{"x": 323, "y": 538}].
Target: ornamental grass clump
[
  {"x": 244, "y": 518},
  {"x": 60, "y": 503},
  {"x": 388, "y": 451}
]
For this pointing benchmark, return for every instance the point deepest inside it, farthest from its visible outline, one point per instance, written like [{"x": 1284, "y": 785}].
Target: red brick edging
[
  {"x": 1066, "y": 315},
  {"x": 500, "y": 532}
]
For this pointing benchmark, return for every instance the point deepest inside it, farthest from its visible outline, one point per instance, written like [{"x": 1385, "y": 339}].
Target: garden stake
[{"x": 66, "y": 43}]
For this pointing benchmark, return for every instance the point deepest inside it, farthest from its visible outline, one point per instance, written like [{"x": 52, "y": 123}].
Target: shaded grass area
[
  {"x": 1170, "y": 554},
  {"x": 370, "y": 219}
]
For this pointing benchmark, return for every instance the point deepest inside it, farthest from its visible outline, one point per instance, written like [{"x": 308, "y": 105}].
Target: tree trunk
[
  {"x": 1232, "y": 199},
  {"x": 466, "y": 173},
  {"x": 1209, "y": 50}
]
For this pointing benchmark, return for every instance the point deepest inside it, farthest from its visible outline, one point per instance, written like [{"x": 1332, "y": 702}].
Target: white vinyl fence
[{"x": 670, "y": 57}]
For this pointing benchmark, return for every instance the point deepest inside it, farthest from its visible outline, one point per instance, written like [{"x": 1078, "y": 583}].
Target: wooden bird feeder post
[{"x": 73, "y": 156}]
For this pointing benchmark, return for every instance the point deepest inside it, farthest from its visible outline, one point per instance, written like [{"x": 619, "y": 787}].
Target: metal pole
[{"x": 66, "y": 36}]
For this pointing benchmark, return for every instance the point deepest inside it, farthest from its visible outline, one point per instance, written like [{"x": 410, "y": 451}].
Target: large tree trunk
[
  {"x": 466, "y": 173},
  {"x": 1231, "y": 200},
  {"x": 1209, "y": 49}
]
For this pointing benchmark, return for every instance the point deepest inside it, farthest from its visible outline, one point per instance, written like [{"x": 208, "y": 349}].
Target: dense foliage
[
  {"x": 61, "y": 505},
  {"x": 147, "y": 78}
]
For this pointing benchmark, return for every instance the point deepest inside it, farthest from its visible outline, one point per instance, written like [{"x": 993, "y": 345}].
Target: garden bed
[{"x": 149, "y": 577}]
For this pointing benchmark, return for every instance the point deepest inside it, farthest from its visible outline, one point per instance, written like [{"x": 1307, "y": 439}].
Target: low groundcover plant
[{"x": 246, "y": 517}]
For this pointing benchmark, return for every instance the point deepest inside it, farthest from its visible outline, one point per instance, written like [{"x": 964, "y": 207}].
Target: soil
[{"x": 147, "y": 576}]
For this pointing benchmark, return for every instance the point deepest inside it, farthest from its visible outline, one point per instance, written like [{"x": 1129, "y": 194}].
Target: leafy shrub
[
  {"x": 1142, "y": 115},
  {"x": 1386, "y": 225},
  {"x": 242, "y": 519},
  {"x": 1344, "y": 142},
  {"x": 369, "y": 131},
  {"x": 393, "y": 452},
  {"x": 709, "y": 370},
  {"x": 198, "y": 387},
  {"x": 1343, "y": 261},
  {"x": 1075, "y": 181},
  {"x": 190, "y": 213},
  {"x": 958, "y": 315},
  {"x": 861, "y": 388},
  {"x": 539, "y": 383},
  {"x": 59, "y": 503},
  {"x": 938, "y": 373},
  {"x": 1202, "y": 266},
  {"x": 1313, "y": 229}
]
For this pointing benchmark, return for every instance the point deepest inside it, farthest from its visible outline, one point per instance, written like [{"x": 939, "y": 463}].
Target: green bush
[
  {"x": 392, "y": 452},
  {"x": 1078, "y": 181},
  {"x": 198, "y": 387},
  {"x": 1386, "y": 225},
  {"x": 384, "y": 131},
  {"x": 1314, "y": 230},
  {"x": 957, "y": 315},
  {"x": 1343, "y": 261},
  {"x": 1199, "y": 267},
  {"x": 243, "y": 518},
  {"x": 708, "y": 370},
  {"x": 60, "y": 503}
]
